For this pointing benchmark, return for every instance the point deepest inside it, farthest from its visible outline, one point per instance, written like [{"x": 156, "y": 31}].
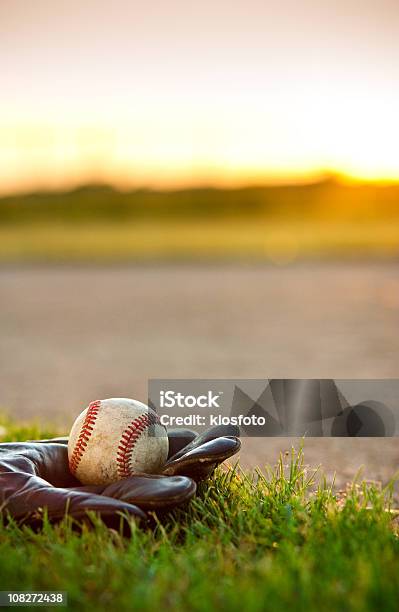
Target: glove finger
[
  {"x": 49, "y": 461},
  {"x": 178, "y": 439},
  {"x": 220, "y": 431},
  {"x": 199, "y": 462},
  {"x": 25, "y": 496},
  {"x": 149, "y": 492}
]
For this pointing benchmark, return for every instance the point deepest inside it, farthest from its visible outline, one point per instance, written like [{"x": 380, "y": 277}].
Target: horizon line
[{"x": 339, "y": 179}]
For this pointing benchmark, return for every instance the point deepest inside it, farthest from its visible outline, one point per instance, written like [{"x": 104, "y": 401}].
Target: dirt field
[{"x": 73, "y": 334}]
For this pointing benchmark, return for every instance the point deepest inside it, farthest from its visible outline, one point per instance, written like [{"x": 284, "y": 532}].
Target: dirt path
[{"x": 69, "y": 335}]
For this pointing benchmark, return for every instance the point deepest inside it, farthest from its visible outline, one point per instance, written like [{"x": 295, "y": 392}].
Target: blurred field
[
  {"x": 328, "y": 199},
  {"x": 248, "y": 240},
  {"x": 278, "y": 224}
]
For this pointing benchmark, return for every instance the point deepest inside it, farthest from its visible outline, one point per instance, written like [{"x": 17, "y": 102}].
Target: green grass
[
  {"x": 270, "y": 540},
  {"x": 277, "y": 241},
  {"x": 13, "y": 432}
]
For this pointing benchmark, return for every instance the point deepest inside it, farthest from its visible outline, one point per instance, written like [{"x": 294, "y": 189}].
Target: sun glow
[
  {"x": 285, "y": 136},
  {"x": 175, "y": 94}
]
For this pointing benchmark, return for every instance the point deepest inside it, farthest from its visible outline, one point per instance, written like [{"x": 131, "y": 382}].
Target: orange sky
[{"x": 178, "y": 93}]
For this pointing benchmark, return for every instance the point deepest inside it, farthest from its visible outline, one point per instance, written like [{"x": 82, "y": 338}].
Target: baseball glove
[{"x": 35, "y": 479}]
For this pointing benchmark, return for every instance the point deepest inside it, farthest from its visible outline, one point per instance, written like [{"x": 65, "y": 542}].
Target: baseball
[{"x": 114, "y": 439}]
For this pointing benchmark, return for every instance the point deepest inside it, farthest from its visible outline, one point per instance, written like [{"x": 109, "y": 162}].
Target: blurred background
[{"x": 198, "y": 190}]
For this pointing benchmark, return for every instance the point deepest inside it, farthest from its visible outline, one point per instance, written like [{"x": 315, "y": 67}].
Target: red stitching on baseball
[
  {"x": 129, "y": 439},
  {"x": 85, "y": 433}
]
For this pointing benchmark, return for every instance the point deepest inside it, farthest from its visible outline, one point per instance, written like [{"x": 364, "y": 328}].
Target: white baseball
[{"x": 115, "y": 438}]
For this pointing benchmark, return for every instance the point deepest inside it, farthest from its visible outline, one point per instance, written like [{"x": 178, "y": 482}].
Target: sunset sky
[{"x": 178, "y": 93}]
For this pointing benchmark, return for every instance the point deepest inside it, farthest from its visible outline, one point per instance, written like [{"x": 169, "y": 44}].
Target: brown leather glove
[{"x": 35, "y": 477}]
